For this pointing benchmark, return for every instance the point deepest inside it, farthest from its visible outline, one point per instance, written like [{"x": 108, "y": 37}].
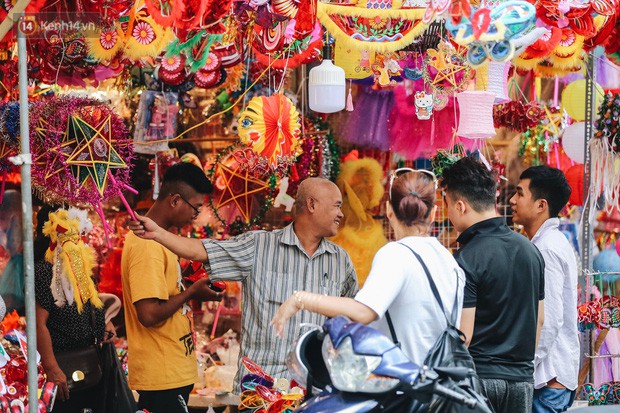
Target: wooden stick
[
  {"x": 585, "y": 369},
  {"x": 7, "y": 23}
]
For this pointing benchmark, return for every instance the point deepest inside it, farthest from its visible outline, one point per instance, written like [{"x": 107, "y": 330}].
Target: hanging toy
[
  {"x": 283, "y": 198},
  {"x": 384, "y": 68},
  {"x": 270, "y": 127},
  {"x": 424, "y": 103},
  {"x": 72, "y": 260}
]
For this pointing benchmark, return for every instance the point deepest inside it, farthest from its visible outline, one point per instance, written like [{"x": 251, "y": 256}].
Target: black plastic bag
[{"x": 117, "y": 397}]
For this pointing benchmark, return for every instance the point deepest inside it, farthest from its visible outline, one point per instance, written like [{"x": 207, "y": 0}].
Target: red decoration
[
  {"x": 10, "y": 322},
  {"x": 574, "y": 176},
  {"x": 517, "y": 115}
]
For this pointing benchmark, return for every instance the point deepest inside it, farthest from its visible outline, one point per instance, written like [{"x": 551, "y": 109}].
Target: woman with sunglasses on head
[{"x": 397, "y": 281}]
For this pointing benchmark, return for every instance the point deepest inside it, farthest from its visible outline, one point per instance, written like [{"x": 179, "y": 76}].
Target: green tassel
[{"x": 196, "y": 63}]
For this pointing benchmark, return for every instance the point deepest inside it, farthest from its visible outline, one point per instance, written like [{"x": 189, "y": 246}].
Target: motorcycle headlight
[{"x": 353, "y": 372}]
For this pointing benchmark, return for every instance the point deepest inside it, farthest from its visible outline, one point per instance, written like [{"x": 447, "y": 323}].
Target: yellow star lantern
[{"x": 552, "y": 122}]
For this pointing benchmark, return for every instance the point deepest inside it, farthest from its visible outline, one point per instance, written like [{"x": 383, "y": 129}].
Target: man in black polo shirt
[{"x": 503, "y": 304}]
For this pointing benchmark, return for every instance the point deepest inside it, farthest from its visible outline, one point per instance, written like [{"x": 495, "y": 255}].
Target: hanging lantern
[
  {"x": 573, "y": 140},
  {"x": 574, "y": 98},
  {"x": 574, "y": 176},
  {"x": 326, "y": 88},
  {"x": 475, "y": 114},
  {"x": 498, "y": 80}
]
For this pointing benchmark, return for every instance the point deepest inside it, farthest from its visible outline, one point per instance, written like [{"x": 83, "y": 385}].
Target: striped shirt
[{"x": 272, "y": 265}]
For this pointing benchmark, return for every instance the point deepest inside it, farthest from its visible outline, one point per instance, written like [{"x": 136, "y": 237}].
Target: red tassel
[{"x": 349, "y": 107}]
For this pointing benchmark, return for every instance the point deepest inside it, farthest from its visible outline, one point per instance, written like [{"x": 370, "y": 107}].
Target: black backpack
[{"x": 448, "y": 351}]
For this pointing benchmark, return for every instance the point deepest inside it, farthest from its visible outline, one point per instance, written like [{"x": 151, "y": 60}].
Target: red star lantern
[{"x": 237, "y": 189}]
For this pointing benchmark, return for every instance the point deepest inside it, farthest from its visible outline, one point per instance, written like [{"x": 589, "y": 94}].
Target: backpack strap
[
  {"x": 391, "y": 327},
  {"x": 452, "y": 320}
]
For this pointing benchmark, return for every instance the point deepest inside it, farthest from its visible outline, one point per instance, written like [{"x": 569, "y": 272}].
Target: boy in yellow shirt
[{"x": 162, "y": 362}]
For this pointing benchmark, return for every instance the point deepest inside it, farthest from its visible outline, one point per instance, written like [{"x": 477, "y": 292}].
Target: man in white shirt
[{"x": 541, "y": 194}]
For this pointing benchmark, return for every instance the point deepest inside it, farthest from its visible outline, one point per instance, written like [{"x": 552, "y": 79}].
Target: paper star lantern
[
  {"x": 81, "y": 150},
  {"x": 239, "y": 198},
  {"x": 94, "y": 155},
  {"x": 238, "y": 188}
]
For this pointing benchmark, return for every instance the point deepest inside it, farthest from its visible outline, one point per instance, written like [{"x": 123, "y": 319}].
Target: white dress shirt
[{"x": 557, "y": 354}]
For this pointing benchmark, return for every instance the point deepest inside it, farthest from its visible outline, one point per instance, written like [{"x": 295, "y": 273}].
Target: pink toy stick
[
  {"x": 128, "y": 188},
  {"x": 131, "y": 213},
  {"x": 217, "y": 317},
  {"x": 104, "y": 223}
]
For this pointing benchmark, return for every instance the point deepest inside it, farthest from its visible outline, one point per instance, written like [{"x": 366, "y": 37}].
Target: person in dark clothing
[
  {"x": 504, "y": 292},
  {"x": 64, "y": 328}
]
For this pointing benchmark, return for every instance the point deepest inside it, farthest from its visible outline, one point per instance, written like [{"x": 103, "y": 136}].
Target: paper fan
[
  {"x": 146, "y": 38},
  {"x": 206, "y": 79},
  {"x": 297, "y": 53},
  {"x": 212, "y": 63},
  {"x": 545, "y": 45},
  {"x": 173, "y": 64},
  {"x": 286, "y": 8},
  {"x": 270, "y": 126},
  {"x": 105, "y": 44}
]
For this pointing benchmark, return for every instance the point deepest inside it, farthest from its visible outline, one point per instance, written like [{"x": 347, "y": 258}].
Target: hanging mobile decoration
[
  {"x": 518, "y": 116},
  {"x": 541, "y": 127},
  {"x": 281, "y": 49},
  {"x": 320, "y": 153}
]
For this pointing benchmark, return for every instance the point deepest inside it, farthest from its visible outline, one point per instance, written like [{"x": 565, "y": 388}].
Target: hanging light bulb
[{"x": 326, "y": 85}]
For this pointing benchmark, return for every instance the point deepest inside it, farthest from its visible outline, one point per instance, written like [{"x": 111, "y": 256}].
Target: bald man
[{"x": 272, "y": 265}]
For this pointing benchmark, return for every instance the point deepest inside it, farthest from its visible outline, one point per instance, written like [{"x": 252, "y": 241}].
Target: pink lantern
[
  {"x": 475, "y": 114},
  {"x": 498, "y": 80}
]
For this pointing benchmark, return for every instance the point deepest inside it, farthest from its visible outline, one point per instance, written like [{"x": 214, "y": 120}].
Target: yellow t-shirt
[{"x": 160, "y": 357}]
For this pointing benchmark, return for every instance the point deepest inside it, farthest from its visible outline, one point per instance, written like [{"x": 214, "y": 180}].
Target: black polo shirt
[{"x": 505, "y": 281}]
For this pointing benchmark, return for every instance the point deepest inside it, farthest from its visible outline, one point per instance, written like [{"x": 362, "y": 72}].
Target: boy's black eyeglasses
[{"x": 196, "y": 210}]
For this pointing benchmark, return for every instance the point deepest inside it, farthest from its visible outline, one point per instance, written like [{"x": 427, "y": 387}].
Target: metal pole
[
  {"x": 586, "y": 238},
  {"x": 586, "y": 261},
  {"x": 25, "y": 160}
]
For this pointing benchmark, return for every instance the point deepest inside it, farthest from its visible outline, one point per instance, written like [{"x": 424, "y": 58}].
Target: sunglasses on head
[{"x": 401, "y": 171}]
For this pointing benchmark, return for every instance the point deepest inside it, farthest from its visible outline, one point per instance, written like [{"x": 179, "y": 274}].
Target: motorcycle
[{"x": 348, "y": 367}]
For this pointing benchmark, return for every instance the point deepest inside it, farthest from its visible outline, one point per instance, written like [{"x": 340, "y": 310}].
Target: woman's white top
[{"x": 397, "y": 283}]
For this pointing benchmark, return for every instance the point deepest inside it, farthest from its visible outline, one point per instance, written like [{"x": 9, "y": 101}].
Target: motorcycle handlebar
[{"x": 450, "y": 394}]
